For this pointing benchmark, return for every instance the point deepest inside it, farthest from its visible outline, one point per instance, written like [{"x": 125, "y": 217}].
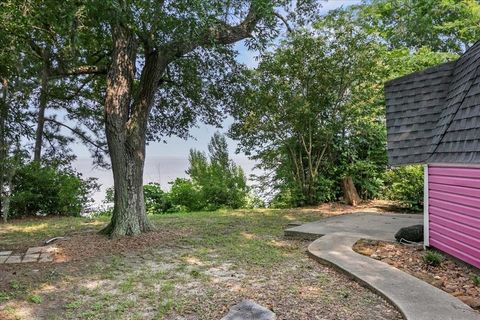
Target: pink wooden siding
[{"x": 454, "y": 211}]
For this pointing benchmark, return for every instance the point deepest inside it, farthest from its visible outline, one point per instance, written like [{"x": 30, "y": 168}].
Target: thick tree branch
[
  {"x": 219, "y": 33},
  {"x": 284, "y": 20}
]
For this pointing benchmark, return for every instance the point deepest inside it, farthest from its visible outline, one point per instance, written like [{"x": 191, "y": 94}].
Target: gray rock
[
  {"x": 249, "y": 310},
  {"x": 294, "y": 224},
  {"x": 411, "y": 233}
]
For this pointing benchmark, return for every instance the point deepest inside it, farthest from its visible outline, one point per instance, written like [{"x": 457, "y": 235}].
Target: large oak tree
[{"x": 171, "y": 63}]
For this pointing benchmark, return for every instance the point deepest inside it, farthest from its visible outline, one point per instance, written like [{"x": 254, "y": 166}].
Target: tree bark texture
[
  {"x": 350, "y": 193},
  {"x": 42, "y": 106},
  {"x": 125, "y": 133},
  {"x": 3, "y": 148}
]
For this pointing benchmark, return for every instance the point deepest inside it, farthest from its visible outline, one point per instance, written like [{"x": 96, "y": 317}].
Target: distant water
[{"x": 160, "y": 169}]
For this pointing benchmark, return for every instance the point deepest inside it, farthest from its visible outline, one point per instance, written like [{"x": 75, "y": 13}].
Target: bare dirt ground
[
  {"x": 194, "y": 266},
  {"x": 452, "y": 276}
]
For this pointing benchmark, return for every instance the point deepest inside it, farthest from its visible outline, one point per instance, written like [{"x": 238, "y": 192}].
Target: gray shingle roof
[{"x": 433, "y": 116}]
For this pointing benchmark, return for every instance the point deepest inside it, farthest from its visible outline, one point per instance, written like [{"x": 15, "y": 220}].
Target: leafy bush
[
  {"x": 48, "y": 190},
  {"x": 289, "y": 195},
  {"x": 222, "y": 183},
  {"x": 405, "y": 184},
  {"x": 156, "y": 200},
  {"x": 186, "y": 196},
  {"x": 367, "y": 177},
  {"x": 433, "y": 258}
]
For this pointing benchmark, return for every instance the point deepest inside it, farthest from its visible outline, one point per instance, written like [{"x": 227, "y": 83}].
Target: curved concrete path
[{"x": 416, "y": 299}]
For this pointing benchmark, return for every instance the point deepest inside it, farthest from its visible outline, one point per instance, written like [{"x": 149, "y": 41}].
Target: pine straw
[{"x": 452, "y": 276}]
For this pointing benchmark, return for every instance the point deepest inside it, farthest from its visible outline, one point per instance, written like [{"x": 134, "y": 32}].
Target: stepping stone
[
  {"x": 249, "y": 310},
  {"x": 45, "y": 257},
  {"x": 5, "y": 253},
  {"x": 31, "y": 257},
  {"x": 3, "y": 259},
  {"x": 34, "y": 250},
  {"x": 39, "y": 250},
  {"x": 14, "y": 259}
]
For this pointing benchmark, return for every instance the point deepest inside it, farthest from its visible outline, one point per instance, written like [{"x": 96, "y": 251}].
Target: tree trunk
[
  {"x": 37, "y": 153},
  {"x": 350, "y": 193},
  {"x": 129, "y": 214},
  {"x": 126, "y": 140},
  {"x": 3, "y": 147},
  {"x": 6, "y": 198}
]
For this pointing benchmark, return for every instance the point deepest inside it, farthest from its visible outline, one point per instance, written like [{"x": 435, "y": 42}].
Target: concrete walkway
[
  {"x": 416, "y": 299},
  {"x": 375, "y": 225}
]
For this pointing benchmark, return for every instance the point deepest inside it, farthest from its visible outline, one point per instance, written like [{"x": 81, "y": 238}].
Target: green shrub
[
  {"x": 156, "y": 200},
  {"x": 289, "y": 195},
  {"x": 405, "y": 184},
  {"x": 186, "y": 196},
  {"x": 433, "y": 258},
  {"x": 222, "y": 182},
  {"x": 47, "y": 190},
  {"x": 367, "y": 177}
]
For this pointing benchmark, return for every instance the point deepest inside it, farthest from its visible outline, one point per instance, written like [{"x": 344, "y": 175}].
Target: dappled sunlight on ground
[
  {"x": 193, "y": 261},
  {"x": 194, "y": 265},
  {"x": 8, "y": 228},
  {"x": 248, "y": 236},
  {"x": 337, "y": 208}
]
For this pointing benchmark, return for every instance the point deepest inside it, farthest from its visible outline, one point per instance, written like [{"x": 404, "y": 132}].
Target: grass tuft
[{"x": 433, "y": 258}]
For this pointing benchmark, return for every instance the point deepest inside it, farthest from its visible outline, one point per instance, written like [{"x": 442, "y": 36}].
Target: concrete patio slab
[
  {"x": 416, "y": 299},
  {"x": 380, "y": 226}
]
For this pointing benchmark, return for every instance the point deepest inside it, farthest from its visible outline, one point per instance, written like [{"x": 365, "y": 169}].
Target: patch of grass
[
  {"x": 4, "y": 296},
  {"x": 476, "y": 280},
  {"x": 433, "y": 258},
  {"x": 35, "y": 299},
  {"x": 15, "y": 285},
  {"x": 22, "y": 233},
  {"x": 164, "y": 308},
  {"x": 127, "y": 285},
  {"x": 73, "y": 305}
]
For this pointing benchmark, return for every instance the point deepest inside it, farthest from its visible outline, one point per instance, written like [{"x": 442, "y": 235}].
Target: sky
[{"x": 167, "y": 161}]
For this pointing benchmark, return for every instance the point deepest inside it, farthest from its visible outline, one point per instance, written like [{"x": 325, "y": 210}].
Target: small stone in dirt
[
  {"x": 249, "y": 310},
  {"x": 411, "y": 233}
]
